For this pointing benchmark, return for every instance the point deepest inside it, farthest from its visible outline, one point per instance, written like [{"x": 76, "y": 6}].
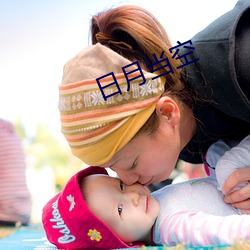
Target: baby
[{"x": 96, "y": 211}]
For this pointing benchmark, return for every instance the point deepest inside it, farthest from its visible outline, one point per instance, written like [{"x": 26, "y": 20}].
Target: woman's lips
[{"x": 148, "y": 183}]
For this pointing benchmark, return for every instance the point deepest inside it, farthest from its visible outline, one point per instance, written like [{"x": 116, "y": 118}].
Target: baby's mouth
[{"x": 147, "y": 203}]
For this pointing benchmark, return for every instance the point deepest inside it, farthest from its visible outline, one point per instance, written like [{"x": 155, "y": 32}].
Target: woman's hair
[{"x": 137, "y": 35}]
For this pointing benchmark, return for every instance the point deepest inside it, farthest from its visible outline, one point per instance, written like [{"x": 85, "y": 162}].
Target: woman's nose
[{"x": 126, "y": 177}]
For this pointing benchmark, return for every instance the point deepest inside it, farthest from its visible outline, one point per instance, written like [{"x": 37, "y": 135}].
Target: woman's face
[{"x": 147, "y": 159}]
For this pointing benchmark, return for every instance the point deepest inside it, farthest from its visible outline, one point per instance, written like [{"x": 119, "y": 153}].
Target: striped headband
[{"x": 96, "y": 128}]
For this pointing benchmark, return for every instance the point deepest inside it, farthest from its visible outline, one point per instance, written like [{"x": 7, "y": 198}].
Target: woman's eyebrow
[{"x": 115, "y": 163}]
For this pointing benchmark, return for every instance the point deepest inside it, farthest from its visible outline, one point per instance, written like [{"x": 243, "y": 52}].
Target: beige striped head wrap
[{"x": 94, "y": 128}]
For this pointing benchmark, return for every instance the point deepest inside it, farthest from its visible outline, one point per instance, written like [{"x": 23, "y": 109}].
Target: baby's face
[{"x": 130, "y": 211}]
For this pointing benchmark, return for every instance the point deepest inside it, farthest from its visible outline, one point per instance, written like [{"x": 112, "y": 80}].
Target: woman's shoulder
[{"x": 213, "y": 76}]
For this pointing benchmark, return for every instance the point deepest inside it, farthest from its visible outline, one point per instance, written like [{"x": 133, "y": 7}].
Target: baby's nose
[{"x": 133, "y": 198}]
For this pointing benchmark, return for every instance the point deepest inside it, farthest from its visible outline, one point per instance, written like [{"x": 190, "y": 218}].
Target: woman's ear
[{"x": 168, "y": 110}]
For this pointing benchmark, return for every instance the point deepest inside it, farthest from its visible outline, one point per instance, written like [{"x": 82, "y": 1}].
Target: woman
[{"x": 177, "y": 110}]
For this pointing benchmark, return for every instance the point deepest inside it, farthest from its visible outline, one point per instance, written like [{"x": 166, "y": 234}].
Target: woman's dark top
[{"x": 221, "y": 76}]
